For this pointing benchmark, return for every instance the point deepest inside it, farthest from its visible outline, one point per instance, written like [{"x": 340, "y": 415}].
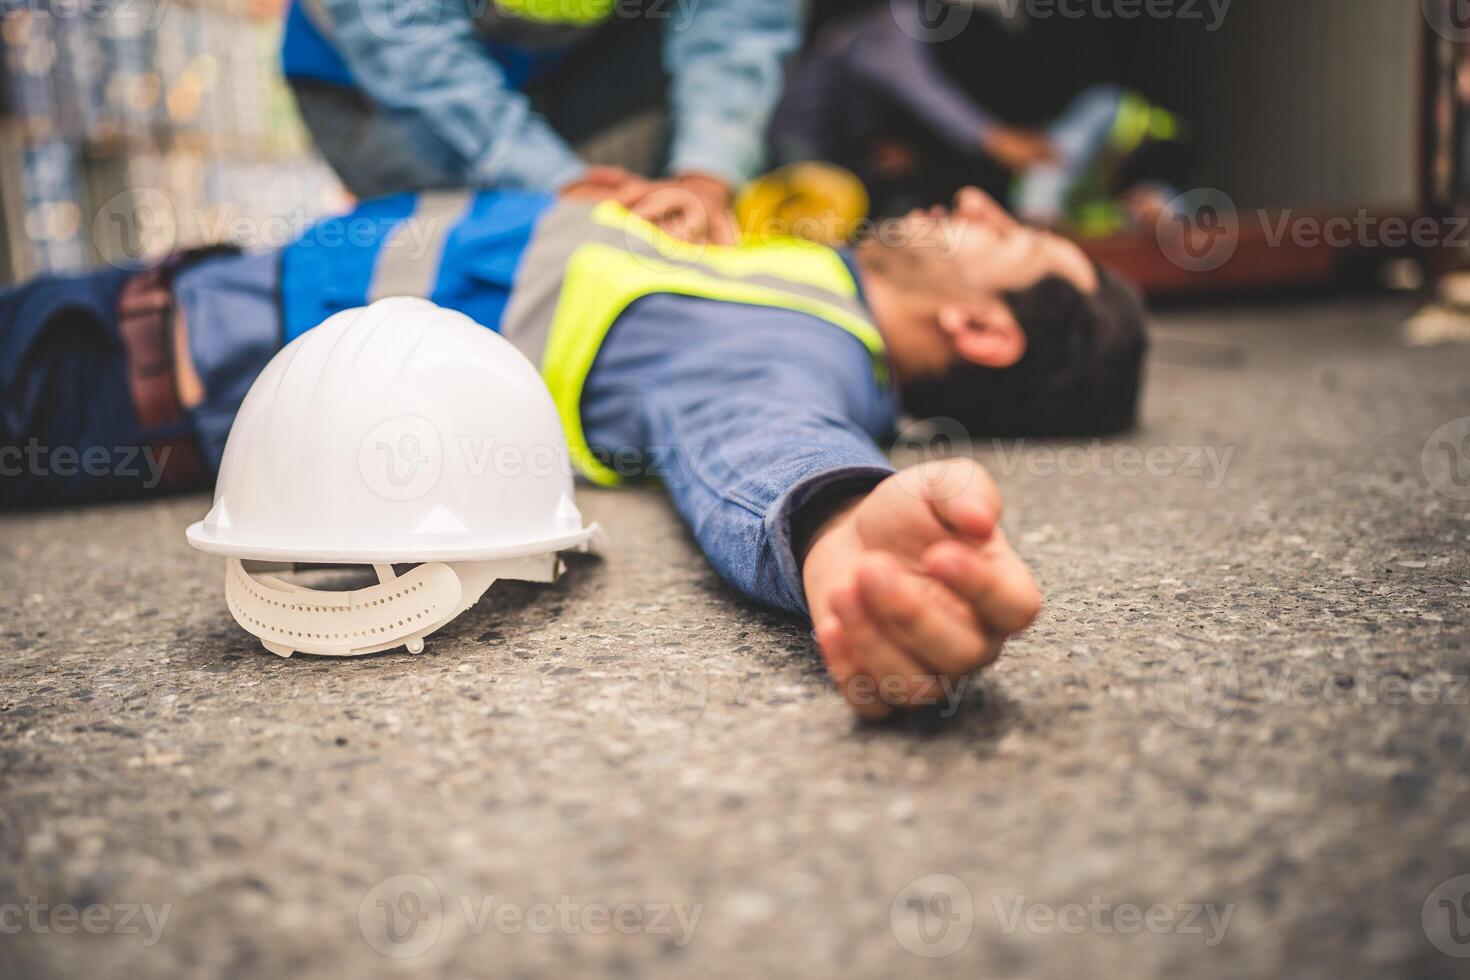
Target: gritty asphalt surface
[{"x": 1236, "y": 744}]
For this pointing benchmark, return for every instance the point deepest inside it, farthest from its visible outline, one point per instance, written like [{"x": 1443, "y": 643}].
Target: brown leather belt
[{"x": 146, "y": 327}]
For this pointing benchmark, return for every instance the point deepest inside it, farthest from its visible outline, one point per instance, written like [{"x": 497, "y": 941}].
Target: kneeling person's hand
[
  {"x": 694, "y": 207},
  {"x": 913, "y": 587}
]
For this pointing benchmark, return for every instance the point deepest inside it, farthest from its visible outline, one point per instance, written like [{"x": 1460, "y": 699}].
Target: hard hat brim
[{"x": 583, "y": 540}]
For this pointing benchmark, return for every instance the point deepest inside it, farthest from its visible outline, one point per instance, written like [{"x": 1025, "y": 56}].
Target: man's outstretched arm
[
  {"x": 751, "y": 443},
  {"x": 765, "y": 439}
]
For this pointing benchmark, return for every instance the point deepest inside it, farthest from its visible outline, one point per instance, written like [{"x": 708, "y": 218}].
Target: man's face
[{"x": 977, "y": 248}]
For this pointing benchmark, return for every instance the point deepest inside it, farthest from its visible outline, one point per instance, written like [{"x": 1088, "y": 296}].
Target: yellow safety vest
[
  {"x": 529, "y": 23},
  {"x": 586, "y": 264},
  {"x": 579, "y": 12}
]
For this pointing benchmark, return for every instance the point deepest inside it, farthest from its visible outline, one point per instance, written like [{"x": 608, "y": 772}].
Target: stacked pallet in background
[{"x": 131, "y": 127}]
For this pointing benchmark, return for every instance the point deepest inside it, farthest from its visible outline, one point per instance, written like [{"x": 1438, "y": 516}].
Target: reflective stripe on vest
[
  {"x": 525, "y": 46},
  {"x": 587, "y": 264},
  {"x": 580, "y": 12},
  {"x": 458, "y": 248},
  {"x": 409, "y": 258},
  {"x": 573, "y": 13}
]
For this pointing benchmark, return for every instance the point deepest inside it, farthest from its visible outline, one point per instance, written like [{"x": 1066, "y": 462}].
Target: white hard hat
[{"x": 396, "y": 433}]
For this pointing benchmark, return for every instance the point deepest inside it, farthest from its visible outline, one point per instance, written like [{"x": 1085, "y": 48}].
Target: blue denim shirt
[
  {"x": 724, "y": 58},
  {"x": 745, "y": 413}
]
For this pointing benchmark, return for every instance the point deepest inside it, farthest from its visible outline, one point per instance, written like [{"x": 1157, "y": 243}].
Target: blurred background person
[
  {"x": 869, "y": 80},
  {"x": 861, "y": 82}
]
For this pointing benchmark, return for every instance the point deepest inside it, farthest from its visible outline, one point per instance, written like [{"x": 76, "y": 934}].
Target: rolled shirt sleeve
[
  {"x": 424, "y": 59},
  {"x": 726, "y": 61},
  {"x": 742, "y": 463}
]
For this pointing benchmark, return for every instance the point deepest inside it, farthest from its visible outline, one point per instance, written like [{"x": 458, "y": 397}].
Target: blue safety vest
[{"x": 459, "y": 249}]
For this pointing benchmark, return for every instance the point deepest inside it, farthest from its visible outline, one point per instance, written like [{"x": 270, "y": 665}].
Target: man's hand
[
  {"x": 605, "y": 183},
  {"x": 1018, "y": 149},
  {"x": 914, "y": 587},
  {"x": 694, "y": 207}
]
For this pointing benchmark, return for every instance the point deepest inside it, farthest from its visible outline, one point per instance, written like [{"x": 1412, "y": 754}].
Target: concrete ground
[{"x": 1235, "y": 745}]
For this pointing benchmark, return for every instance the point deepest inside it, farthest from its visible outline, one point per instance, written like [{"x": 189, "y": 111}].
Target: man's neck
[{"x": 888, "y": 306}]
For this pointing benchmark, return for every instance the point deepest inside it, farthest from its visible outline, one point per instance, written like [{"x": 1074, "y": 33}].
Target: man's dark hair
[{"x": 1081, "y": 375}]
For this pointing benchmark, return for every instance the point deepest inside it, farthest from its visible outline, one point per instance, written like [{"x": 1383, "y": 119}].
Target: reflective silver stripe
[
  {"x": 408, "y": 260},
  {"x": 316, "y": 12},
  {"x": 568, "y": 225},
  {"x": 539, "y": 277}
]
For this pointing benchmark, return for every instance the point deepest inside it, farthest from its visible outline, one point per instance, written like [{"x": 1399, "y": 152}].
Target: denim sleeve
[
  {"x": 891, "y": 52},
  {"x": 232, "y": 304},
  {"x": 424, "y": 58},
  {"x": 750, "y": 429},
  {"x": 726, "y": 61}
]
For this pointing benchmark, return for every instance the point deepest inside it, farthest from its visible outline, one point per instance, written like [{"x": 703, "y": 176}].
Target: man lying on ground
[{"x": 757, "y": 380}]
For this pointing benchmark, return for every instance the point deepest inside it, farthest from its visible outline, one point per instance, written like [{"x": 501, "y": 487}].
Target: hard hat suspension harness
[{"x": 399, "y": 611}]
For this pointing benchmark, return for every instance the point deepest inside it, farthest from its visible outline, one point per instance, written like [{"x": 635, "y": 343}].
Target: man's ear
[{"x": 983, "y": 332}]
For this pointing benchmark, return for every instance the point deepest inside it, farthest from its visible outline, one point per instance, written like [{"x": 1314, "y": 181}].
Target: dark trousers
[{"x": 68, "y": 429}]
